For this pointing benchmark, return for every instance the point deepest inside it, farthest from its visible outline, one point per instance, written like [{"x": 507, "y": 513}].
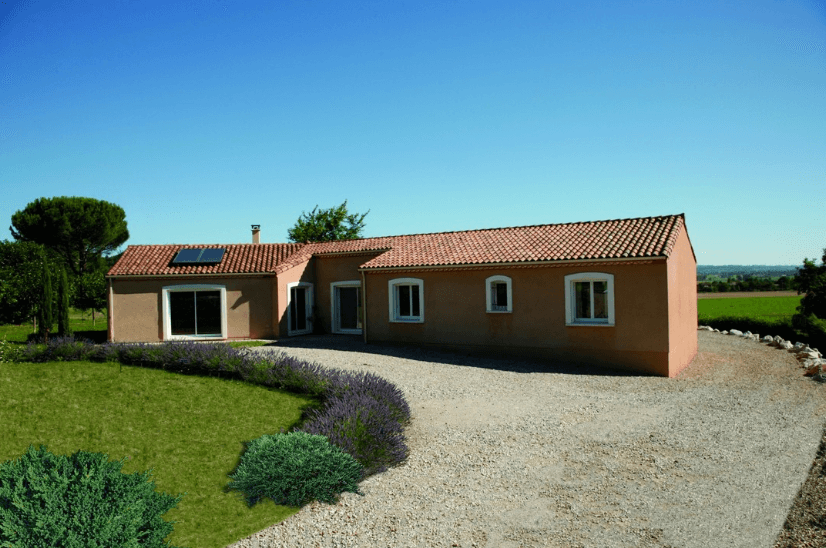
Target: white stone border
[{"x": 810, "y": 358}]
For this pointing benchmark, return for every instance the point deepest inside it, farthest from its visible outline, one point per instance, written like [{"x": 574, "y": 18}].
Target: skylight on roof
[{"x": 199, "y": 255}]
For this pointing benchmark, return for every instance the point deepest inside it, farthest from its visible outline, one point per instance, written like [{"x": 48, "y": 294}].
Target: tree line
[{"x": 747, "y": 283}]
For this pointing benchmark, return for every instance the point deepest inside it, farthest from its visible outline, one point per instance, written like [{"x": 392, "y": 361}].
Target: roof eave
[
  {"x": 191, "y": 274},
  {"x": 514, "y": 263}
]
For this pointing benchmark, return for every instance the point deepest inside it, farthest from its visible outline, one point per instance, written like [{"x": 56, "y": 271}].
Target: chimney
[{"x": 256, "y": 229}]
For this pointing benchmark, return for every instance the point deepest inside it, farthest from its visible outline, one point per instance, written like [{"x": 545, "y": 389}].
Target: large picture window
[
  {"x": 194, "y": 311},
  {"x": 406, "y": 300},
  {"x": 589, "y": 299}
]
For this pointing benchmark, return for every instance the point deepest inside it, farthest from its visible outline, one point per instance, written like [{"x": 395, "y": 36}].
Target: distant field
[
  {"x": 775, "y": 309},
  {"x": 746, "y": 294}
]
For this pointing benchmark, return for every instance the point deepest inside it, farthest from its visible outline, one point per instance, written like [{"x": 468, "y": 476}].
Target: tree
[
  {"x": 90, "y": 290},
  {"x": 45, "y": 313},
  {"x": 327, "y": 225},
  {"x": 811, "y": 280},
  {"x": 63, "y": 328},
  {"x": 782, "y": 283},
  {"x": 78, "y": 230},
  {"x": 21, "y": 281}
]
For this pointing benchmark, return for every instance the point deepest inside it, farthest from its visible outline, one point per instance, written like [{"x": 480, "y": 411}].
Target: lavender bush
[{"x": 361, "y": 413}]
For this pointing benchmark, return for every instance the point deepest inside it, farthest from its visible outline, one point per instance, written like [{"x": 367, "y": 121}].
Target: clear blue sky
[{"x": 203, "y": 117}]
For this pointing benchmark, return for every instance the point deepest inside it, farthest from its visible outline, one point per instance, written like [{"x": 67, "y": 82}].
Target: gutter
[
  {"x": 520, "y": 263},
  {"x": 192, "y": 275}
]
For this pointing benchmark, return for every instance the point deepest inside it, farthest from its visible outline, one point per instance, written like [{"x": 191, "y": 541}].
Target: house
[{"x": 620, "y": 293}]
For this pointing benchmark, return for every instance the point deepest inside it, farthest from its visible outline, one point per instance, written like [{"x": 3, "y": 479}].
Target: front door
[
  {"x": 300, "y": 309},
  {"x": 347, "y": 308}
]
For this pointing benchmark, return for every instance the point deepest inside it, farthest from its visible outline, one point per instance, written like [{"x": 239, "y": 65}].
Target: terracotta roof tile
[
  {"x": 238, "y": 259},
  {"x": 611, "y": 239}
]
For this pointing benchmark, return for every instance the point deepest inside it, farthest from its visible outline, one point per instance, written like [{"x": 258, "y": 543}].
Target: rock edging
[{"x": 810, "y": 358}]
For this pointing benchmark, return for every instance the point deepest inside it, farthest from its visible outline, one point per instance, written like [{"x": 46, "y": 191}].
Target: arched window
[{"x": 498, "y": 294}]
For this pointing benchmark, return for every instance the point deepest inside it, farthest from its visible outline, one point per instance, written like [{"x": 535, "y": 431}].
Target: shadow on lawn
[{"x": 434, "y": 354}]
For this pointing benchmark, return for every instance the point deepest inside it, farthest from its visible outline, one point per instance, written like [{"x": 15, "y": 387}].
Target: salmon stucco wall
[
  {"x": 136, "y": 307},
  {"x": 455, "y": 314},
  {"x": 682, "y": 304},
  {"x": 303, "y": 272}
]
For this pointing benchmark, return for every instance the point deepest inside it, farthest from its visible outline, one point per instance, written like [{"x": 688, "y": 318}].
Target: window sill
[
  {"x": 589, "y": 324},
  {"x": 499, "y": 311},
  {"x": 413, "y": 320}
]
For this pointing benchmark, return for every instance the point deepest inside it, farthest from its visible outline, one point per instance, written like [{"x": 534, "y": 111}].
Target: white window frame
[
  {"x": 308, "y": 296},
  {"x": 166, "y": 311},
  {"x": 570, "y": 298},
  {"x": 334, "y": 315},
  {"x": 392, "y": 286},
  {"x": 489, "y": 299}
]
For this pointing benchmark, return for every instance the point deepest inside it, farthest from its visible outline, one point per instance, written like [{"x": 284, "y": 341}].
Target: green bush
[
  {"x": 812, "y": 328},
  {"x": 8, "y": 352},
  {"x": 295, "y": 468},
  {"x": 79, "y": 501}
]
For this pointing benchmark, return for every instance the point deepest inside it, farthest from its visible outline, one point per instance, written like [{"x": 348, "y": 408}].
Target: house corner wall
[
  {"x": 682, "y": 305},
  {"x": 303, "y": 272}
]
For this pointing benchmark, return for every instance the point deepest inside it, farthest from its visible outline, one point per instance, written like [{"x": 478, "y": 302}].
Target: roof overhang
[
  {"x": 192, "y": 275},
  {"x": 620, "y": 260}
]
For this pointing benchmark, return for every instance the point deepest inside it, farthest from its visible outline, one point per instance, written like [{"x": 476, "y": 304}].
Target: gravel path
[{"x": 511, "y": 453}]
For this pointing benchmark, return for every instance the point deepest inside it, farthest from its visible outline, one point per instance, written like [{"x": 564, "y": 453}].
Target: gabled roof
[
  {"x": 238, "y": 259},
  {"x": 644, "y": 237}
]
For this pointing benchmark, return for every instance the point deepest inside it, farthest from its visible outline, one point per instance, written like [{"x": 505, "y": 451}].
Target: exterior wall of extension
[
  {"x": 301, "y": 273},
  {"x": 455, "y": 314},
  {"x": 136, "y": 307},
  {"x": 682, "y": 305}
]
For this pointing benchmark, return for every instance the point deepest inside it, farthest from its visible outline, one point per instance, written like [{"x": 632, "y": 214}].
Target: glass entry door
[
  {"x": 347, "y": 308},
  {"x": 301, "y": 305}
]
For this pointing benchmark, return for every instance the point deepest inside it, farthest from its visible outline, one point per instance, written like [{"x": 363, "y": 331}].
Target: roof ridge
[{"x": 507, "y": 227}]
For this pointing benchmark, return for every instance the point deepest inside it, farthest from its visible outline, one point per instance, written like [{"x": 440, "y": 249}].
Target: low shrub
[
  {"x": 8, "y": 352},
  {"x": 363, "y": 427},
  {"x": 295, "y": 468},
  {"x": 363, "y": 414},
  {"x": 79, "y": 501}
]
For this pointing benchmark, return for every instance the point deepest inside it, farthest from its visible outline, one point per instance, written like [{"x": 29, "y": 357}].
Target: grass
[
  {"x": 770, "y": 309},
  {"x": 79, "y": 321},
  {"x": 188, "y": 428}
]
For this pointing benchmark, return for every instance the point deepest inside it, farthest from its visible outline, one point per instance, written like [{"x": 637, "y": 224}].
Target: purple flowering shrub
[
  {"x": 361, "y": 413},
  {"x": 58, "y": 349}
]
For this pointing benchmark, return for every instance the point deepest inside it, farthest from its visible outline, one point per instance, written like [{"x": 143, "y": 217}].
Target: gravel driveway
[{"x": 512, "y": 453}]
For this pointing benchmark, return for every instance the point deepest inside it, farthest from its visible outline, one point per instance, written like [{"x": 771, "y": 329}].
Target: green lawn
[
  {"x": 189, "y": 429},
  {"x": 79, "y": 321},
  {"x": 769, "y": 309}
]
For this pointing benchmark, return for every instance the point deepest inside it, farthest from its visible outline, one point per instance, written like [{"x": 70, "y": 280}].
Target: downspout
[
  {"x": 364, "y": 306},
  {"x": 110, "y": 325}
]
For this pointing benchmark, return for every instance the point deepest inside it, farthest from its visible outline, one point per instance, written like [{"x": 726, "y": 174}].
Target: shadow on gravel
[{"x": 482, "y": 360}]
